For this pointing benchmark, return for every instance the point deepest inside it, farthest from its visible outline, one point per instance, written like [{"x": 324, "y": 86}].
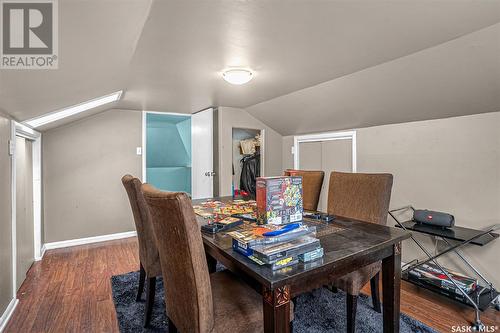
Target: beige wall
[
  {"x": 452, "y": 165},
  {"x": 5, "y": 217},
  {"x": 84, "y": 161},
  {"x": 82, "y": 166},
  {"x": 239, "y": 118}
]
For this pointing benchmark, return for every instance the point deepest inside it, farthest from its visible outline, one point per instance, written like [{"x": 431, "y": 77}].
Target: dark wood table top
[{"x": 343, "y": 241}]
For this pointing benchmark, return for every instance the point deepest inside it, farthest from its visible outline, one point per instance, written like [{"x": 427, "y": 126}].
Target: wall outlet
[{"x": 138, "y": 150}]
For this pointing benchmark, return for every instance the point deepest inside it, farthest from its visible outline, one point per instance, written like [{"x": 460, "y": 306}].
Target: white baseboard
[
  {"x": 88, "y": 240},
  {"x": 4, "y": 319},
  {"x": 42, "y": 252}
]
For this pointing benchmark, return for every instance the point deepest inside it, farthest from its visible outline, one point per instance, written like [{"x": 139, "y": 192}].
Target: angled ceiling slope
[
  {"x": 167, "y": 55},
  {"x": 290, "y": 44},
  {"x": 456, "y": 78},
  {"x": 97, "y": 40}
]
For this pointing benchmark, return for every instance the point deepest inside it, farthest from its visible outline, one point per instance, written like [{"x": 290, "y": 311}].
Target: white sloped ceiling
[
  {"x": 168, "y": 56},
  {"x": 456, "y": 78}
]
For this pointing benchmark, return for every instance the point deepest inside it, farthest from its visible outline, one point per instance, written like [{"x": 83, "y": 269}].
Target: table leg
[
  {"x": 277, "y": 310},
  {"x": 391, "y": 284},
  {"x": 211, "y": 263}
]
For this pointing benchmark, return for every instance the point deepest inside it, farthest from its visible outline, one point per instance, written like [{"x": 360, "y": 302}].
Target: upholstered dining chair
[
  {"x": 149, "y": 267},
  {"x": 197, "y": 301},
  {"x": 312, "y": 181},
  {"x": 363, "y": 197}
]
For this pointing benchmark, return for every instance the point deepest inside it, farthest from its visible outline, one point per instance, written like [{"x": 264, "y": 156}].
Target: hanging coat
[{"x": 250, "y": 170}]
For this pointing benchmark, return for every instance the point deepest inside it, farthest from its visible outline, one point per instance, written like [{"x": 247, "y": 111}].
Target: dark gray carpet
[{"x": 315, "y": 312}]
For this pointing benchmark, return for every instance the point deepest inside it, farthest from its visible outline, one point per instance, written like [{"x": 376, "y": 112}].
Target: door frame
[
  {"x": 326, "y": 136},
  {"x": 21, "y": 130},
  {"x": 262, "y": 132}
]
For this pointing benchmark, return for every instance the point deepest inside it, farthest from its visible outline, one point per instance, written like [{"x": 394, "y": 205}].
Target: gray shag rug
[{"x": 315, "y": 312}]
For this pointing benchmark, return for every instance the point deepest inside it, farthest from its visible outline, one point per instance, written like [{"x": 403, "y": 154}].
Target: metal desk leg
[
  {"x": 458, "y": 252},
  {"x": 497, "y": 303},
  {"x": 490, "y": 285},
  {"x": 477, "y": 325}
]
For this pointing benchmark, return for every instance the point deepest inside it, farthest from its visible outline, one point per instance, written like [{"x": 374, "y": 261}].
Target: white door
[
  {"x": 328, "y": 152},
  {"x": 24, "y": 208},
  {"x": 202, "y": 136}
]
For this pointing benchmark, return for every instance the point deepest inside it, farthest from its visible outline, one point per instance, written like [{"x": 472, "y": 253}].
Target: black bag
[
  {"x": 249, "y": 172},
  {"x": 438, "y": 219}
]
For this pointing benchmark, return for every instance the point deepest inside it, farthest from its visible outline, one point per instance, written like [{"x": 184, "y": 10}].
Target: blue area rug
[{"x": 315, "y": 312}]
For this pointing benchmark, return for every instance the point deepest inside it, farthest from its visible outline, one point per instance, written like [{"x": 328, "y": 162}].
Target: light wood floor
[{"x": 70, "y": 291}]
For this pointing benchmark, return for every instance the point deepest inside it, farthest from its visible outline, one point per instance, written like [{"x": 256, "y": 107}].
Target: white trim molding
[
  {"x": 13, "y": 208},
  {"x": 143, "y": 136},
  {"x": 326, "y": 136},
  {"x": 4, "y": 319},
  {"x": 24, "y": 131},
  {"x": 88, "y": 240},
  {"x": 42, "y": 253}
]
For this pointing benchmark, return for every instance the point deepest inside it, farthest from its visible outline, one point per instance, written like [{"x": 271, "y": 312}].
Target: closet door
[
  {"x": 310, "y": 155},
  {"x": 336, "y": 155},
  {"x": 328, "y": 155},
  {"x": 24, "y": 208}
]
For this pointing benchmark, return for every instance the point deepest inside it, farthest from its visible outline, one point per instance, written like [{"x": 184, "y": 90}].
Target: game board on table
[{"x": 218, "y": 211}]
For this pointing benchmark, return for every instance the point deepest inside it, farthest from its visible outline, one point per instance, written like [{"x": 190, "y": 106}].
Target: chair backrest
[
  {"x": 148, "y": 252},
  {"x": 188, "y": 293},
  {"x": 312, "y": 181},
  {"x": 360, "y": 196}
]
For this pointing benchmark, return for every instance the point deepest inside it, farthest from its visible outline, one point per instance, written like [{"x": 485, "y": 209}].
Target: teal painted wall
[{"x": 168, "y": 152}]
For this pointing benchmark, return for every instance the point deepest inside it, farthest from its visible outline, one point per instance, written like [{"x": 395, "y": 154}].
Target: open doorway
[
  {"x": 26, "y": 201},
  {"x": 177, "y": 152},
  {"x": 168, "y": 151},
  {"x": 247, "y": 161},
  {"x": 24, "y": 208}
]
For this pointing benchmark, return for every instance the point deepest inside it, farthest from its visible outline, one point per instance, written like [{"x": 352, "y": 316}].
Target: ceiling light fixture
[
  {"x": 72, "y": 110},
  {"x": 237, "y": 76}
]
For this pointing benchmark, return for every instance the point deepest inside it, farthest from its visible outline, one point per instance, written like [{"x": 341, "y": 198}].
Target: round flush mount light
[{"x": 237, "y": 76}]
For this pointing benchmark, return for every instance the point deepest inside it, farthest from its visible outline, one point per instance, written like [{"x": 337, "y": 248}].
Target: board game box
[
  {"x": 432, "y": 275},
  {"x": 244, "y": 240},
  {"x": 312, "y": 255},
  {"x": 279, "y": 200},
  {"x": 273, "y": 252}
]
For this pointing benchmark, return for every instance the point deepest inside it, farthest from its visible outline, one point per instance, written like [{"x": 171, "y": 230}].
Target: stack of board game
[
  {"x": 280, "y": 239},
  {"x": 432, "y": 275},
  {"x": 278, "y": 210},
  {"x": 278, "y": 251}
]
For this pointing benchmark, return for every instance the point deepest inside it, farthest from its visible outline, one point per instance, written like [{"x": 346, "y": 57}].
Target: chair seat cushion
[
  {"x": 237, "y": 307},
  {"x": 353, "y": 282}
]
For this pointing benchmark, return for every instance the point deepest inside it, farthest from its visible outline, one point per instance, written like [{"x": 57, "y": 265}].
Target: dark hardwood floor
[{"x": 70, "y": 291}]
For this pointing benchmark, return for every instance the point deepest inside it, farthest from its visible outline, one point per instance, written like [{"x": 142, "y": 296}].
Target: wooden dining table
[{"x": 348, "y": 245}]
